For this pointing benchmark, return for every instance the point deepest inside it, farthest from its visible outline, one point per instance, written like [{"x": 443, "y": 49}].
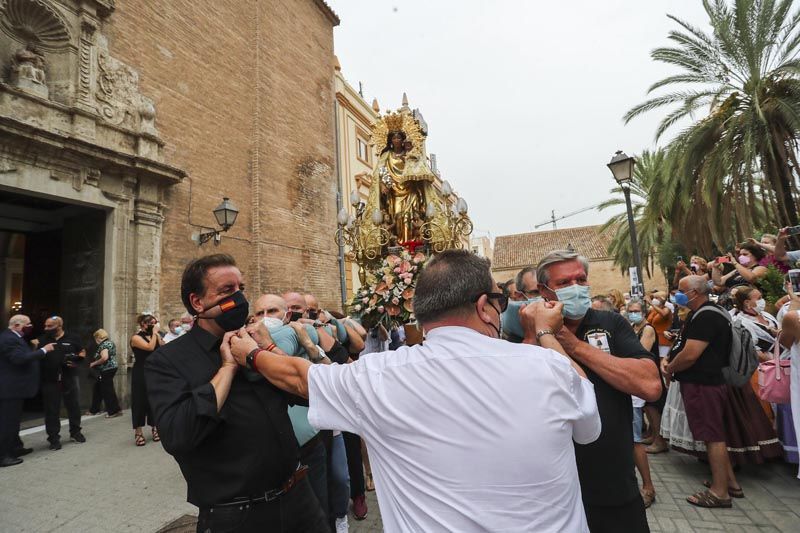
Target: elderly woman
[{"x": 103, "y": 367}]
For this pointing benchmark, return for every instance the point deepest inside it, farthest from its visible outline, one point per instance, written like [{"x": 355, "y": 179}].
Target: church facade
[{"x": 123, "y": 124}]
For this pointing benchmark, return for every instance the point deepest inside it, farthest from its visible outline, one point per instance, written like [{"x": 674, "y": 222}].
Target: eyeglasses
[{"x": 499, "y": 296}]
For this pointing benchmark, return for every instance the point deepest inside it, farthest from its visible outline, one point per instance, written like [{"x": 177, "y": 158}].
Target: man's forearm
[
  {"x": 222, "y": 384},
  {"x": 287, "y": 373},
  {"x": 550, "y": 341},
  {"x": 631, "y": 376},
  {"x": 681, "y": 362}
]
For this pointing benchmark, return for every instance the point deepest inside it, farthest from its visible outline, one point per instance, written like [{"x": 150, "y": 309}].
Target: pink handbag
[{"x": 773, "y": 377}]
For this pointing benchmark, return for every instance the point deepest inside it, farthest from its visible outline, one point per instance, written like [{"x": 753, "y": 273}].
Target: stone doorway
[{"x": 52, "y": 256}]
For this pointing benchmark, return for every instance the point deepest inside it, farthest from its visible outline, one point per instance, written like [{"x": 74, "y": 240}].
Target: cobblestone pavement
[{"x": 108, "y": 485}]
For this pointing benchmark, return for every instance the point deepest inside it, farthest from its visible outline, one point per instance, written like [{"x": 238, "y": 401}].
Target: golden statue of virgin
[{"x": 402, "y": 195}]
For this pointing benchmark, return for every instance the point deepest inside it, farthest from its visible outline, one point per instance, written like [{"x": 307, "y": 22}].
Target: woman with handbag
[
  {"x": 790, "y": 338},
  {"x": 103, "y": 367}
]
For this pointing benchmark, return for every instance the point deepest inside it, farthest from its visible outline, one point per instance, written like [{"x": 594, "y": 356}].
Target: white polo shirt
[{"x": 465, "y": 432}]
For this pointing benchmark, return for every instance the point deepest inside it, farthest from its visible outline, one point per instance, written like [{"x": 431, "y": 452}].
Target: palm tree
[
  {"x": 651, "y": 202},
  {"x": 740, "y": 160}
]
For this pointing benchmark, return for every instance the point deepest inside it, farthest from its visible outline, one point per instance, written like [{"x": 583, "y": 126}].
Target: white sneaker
[{"x": 341, "y": 525}]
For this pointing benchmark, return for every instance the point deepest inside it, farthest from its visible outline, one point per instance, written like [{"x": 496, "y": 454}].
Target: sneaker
[
  {"x": 341, "y": 525},
  {"x": 115, "y": 415},
  {"x": 77, "y": 437},
  {"x": 55, "y": 445},
  {"x": 360, "y": 507}
]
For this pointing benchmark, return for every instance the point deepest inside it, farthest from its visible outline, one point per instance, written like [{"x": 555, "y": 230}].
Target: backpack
[{"x": 742, "y": 359}]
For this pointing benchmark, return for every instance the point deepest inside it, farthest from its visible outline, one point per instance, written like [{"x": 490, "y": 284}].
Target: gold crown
[{"x": 393, "y": 121}]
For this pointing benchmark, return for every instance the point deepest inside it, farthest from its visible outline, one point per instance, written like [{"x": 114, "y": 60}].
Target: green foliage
[
  {"x": 771, "y": 285},
  {"x": 735, "y": 169}
]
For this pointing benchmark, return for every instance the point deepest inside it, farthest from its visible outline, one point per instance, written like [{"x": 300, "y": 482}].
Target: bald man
[
  {"x": 19, "y": 379},
  {"x": 60, "y": 379}
]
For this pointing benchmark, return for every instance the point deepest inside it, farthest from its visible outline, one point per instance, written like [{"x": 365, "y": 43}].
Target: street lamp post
[{"x": 621, "y": 166}]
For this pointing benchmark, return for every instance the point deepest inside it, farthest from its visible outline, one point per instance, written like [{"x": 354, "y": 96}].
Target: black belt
[{"x": 268, "y": 496}]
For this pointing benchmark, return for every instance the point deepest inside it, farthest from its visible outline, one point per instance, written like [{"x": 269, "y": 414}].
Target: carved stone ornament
[
  {"x": 117, "y": 95},
  {"x": 35, "y": 22},
  {"x": 28, "y": 71}
]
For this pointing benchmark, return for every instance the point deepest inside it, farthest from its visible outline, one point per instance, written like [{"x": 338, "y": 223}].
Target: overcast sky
[{"x": 523, "y": 99}]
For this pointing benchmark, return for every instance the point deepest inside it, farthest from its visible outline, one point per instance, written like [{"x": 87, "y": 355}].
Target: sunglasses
[{"x": 501, "y": 298}]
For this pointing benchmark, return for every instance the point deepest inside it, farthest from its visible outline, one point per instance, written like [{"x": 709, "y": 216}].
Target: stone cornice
[
  {"x": 347, "y": 104},
  {"x": 33, "y": 138}
]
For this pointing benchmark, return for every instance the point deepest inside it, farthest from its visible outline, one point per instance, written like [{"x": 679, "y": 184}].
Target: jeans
[
  {"x": 338, "y": 479},
  {"x": 316, "y": 459},
  {"x": 352, "y": 445},
  {"x": 298, "y": 511},
  {"x": 103, "y": 393},
  {"x": 51, "y": 397}
]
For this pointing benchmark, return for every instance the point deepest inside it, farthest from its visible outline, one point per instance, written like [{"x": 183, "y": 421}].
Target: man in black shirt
[
  {"x": 606, "y": 347},
  {"x": 60, "y": 378},
  {"x": 228, "y": 429},
  {"x": 701, "y": 354}
]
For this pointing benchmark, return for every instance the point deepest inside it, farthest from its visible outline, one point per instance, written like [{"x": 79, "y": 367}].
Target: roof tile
[{"x": 527, "y": 249}]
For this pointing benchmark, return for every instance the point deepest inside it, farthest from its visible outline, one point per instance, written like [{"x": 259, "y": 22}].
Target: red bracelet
[
  {"x": 270, "y": 347},
  {"x": 252, "y": 357}
]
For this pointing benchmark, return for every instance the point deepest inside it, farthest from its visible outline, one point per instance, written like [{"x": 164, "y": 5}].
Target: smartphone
[
  {"x": 793, "y": 230},
  {"x": 794, "y": 279},
  {"x": 723, "y": 259}
]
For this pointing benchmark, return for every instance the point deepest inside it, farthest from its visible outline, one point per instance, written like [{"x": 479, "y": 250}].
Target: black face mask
[
  {"x": 294, "y": 316},
  {"x": 235, "y": 309},
  {"x": 313, "y": 314},
  {"x": 27, "y": 330}
]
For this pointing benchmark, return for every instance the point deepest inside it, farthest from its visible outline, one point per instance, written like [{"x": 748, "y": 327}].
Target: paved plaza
[{"x": 108, "y": 485}]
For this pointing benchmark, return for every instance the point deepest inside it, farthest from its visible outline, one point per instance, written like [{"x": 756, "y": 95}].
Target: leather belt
[{"x": 270, "y": 495}]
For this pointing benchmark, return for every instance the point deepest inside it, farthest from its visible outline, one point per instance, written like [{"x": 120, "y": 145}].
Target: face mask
[
  {"x": 177, "y": 331},
  {"x": 27, "y": 329},
  {"x": 509, "y": 320},
  {"x": 681, "y": 299},
  {"x": 272, "y": 322},
  {"x": 186, "y": 327},
  {"x": 672, "y": 298},
  {"x": 498, "y": 330},
  {"x": 313, "y": 314},
  {"x": 761, "y": 305},
  {"x": 744, "y": 260},
  {"x": 694, "y": 267},
  {"x": 635, "y": 317},
  {"x": 656, "y": 302},
  {"x": 294, "y": 316},
  {"x": 576, "y": 300},
  {"x": 234, "y": 312}
]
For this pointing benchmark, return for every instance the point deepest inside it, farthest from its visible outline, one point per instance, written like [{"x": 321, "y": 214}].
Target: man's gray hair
[
  {"x": 448, "y": 285},
  {"x": 637, "y": 301},
  {"x": 697, "y": 283},
  {"x": 521, "y": 274},
  {"x": 18, "y": 319},
  {"x": 558, "y": 256}
]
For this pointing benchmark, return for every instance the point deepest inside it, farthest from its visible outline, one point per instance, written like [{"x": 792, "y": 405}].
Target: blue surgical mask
[
  {"x": 509, "y": 320},
  {"x": 681, "y": 299},
  {"x": 576, "y": 300},
  {"x": 635, "y": 317}
]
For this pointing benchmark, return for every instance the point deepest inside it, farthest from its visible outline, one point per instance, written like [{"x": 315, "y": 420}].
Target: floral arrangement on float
[{"x": 387, "y": 297}]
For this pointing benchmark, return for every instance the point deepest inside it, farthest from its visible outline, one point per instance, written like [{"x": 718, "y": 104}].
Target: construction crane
[{"x": 553, "y": 217}]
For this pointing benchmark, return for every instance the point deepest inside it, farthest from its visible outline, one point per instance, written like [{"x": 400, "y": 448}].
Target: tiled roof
[{"x": 527, "y": 249}]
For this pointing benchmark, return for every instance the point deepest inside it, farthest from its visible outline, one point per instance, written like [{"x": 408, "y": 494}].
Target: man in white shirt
[
  {"x": 466, "y": 432},
  {"x": 175, "y": 330}
]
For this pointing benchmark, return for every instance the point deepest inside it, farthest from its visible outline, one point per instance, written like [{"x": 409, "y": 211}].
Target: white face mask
[
  {"x": 761, "y": 305},
  {"x": 656, "y": 302},
  {"x": 186, "y": 327},
  {"x": 272, "y": 322}
]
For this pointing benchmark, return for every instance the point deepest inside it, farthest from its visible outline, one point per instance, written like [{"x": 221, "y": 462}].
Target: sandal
[
  {"x": 708, "y": 500},
  {"x": 370, "y": 483},
  {"x": 732, "y": 492},
  {"x": 156, "y": 437},
  {"x": 654, "y": 449},
  {"x": 138, "y": 438},
  {"x": 648, "y": 497}
]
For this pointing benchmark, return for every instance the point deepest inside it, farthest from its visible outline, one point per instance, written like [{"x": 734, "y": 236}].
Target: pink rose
[
  {"x": 364, "y": 300},
  {"x": 396, "y": 300},
  {"x": 381, "y": 309}
]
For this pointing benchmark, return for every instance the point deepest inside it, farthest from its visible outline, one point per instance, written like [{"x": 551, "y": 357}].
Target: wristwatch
[
  {"x": 250, "y": 360},
  {"x": 542, "y": 333}
]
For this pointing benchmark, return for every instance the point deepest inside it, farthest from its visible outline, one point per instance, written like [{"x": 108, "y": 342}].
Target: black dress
[{"x": 140, "y": 407}]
